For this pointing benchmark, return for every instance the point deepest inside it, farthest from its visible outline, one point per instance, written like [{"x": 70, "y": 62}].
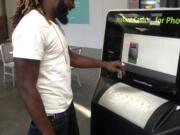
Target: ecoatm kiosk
[{"x": 144, "y": 101}]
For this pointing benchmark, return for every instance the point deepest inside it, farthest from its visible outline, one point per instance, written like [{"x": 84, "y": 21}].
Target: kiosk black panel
[
  {"x": 145, "y": 101},
  {"x": 147, "y": 41}
]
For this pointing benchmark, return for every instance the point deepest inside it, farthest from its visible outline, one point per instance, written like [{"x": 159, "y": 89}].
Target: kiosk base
[{"x": 105, "y": 122}]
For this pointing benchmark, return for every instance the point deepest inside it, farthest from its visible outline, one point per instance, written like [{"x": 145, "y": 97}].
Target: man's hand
[{"x": 114, "y": 66}]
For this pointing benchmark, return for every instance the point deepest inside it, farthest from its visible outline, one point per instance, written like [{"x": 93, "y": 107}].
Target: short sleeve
[{"x": 28, "y": 42}]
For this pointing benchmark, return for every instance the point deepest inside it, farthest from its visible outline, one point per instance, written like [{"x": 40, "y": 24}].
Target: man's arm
[
  {"x": 27, "y": 72},
  {"x": 86, "y": 62}
]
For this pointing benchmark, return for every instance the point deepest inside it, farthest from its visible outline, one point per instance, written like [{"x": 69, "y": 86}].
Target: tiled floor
[{"x": 14, "y": 119}]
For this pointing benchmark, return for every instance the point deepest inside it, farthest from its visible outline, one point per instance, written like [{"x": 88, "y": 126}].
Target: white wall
[
  {"x": 88, "y": 35},
  {"x": 92, "y": 35}
]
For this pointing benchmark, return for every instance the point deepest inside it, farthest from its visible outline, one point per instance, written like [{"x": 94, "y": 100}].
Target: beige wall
[
  {"x": 2, "y": 8},
  {"x": 133, "y": 4},
  {"x": 10, "y": 10}
]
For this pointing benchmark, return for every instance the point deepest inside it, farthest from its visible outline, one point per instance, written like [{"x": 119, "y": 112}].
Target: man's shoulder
[
  {"x": 30, "y": 24},
  {"x": 32, "y": 20}
]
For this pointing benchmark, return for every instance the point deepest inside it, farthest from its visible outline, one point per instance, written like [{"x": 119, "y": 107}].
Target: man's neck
[{"x": 47, "y": 12}]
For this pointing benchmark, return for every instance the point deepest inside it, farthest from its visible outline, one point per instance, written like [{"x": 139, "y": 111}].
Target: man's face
[{"x": 63, "y": 9}]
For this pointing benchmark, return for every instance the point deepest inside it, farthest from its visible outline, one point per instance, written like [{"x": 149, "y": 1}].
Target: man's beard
[{"x": 62, "y": 12}]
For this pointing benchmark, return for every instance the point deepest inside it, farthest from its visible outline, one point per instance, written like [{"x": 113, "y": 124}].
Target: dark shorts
[{"x": 64, "y": 124}]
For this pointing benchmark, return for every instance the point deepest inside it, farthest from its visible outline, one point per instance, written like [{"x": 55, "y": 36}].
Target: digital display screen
[{"x": 159, "y": 54}]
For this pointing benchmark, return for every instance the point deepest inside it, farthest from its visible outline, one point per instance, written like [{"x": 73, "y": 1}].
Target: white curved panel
[{"x": 131, "y": 103}]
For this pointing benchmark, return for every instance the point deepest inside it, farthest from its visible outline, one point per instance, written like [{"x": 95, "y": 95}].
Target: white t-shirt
[{"x": 34, "y": 38}]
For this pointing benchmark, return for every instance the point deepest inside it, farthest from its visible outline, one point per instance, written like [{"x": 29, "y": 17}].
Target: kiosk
[{"x": 145, "y": 100}]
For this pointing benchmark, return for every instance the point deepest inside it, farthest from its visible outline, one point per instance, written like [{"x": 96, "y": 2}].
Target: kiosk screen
[{"x": 156, "y": 56}]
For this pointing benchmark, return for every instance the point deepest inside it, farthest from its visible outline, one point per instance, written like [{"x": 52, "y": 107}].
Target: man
[{"x": 42, "y": 61}]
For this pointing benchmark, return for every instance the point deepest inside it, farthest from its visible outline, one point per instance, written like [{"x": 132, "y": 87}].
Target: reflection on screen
[{"x": 159, "y": 54}]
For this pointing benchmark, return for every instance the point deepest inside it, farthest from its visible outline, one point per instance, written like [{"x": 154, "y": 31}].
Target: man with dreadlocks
[{"x": 42, "y": 62}]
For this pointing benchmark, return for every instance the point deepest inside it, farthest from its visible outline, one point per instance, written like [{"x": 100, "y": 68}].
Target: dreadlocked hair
[{"x": 22, "y": 8}]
